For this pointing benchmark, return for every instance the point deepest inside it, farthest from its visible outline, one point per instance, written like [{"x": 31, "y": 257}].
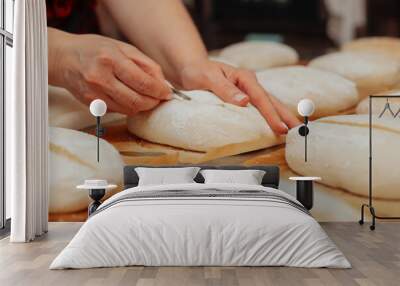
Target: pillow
[
  {"x": 165, "y": 176},
  {"x": 248, "y": 177}
]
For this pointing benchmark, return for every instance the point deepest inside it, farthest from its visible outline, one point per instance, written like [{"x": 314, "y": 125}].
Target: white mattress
[{"x": 200, "y": 231}]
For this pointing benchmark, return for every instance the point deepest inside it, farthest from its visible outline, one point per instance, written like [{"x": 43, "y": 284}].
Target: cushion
[
  {"x": 247, "y": 177},
  {"x": 162, "y": 176}
]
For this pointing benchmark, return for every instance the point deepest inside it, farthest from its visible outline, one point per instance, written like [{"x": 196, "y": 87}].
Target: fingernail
[
  {"x": 285, "y": 127},
  {"x": 239, "y": 97},
  {"x": 169, "y": 96}
]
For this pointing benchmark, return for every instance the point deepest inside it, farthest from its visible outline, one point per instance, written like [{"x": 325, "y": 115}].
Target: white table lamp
[
  {"x": 305, "y": 108},
  {"x": 98, "y": 108}
]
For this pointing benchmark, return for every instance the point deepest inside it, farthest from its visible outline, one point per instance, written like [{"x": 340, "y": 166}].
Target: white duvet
[{"x": 200, "y": 231}]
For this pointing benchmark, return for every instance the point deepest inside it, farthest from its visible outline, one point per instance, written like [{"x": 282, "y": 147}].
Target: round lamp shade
[
  {"x": 98, "y": 107},
  {"x": 306, "y": 107}
]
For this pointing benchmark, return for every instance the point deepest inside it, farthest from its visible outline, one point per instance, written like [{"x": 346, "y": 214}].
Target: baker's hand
[
  {"x": 239, "y": 87},
  {"x": 92, "y": 66}
]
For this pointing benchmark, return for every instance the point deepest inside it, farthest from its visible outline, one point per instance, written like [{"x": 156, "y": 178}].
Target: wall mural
[{"x": 205, "y": 130}]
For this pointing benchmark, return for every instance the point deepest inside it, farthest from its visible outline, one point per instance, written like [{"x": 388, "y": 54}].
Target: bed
[{"x": 198, "y": 224}]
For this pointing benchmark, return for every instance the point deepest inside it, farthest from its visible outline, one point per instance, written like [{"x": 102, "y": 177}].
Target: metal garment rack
[{"x": 370, "y": 201}]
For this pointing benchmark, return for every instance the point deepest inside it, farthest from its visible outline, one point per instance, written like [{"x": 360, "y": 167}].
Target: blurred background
[{"x": 312, "y": 27}]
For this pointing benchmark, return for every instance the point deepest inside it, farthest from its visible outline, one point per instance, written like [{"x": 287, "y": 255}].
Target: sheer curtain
[{"x": 27, "y": 124}]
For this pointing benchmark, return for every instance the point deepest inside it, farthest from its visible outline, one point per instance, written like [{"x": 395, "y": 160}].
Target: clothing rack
[{"x": 370, "y": 200}]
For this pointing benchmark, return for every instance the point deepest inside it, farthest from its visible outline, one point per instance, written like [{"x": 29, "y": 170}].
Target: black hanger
[
  {"x": 397, "y": 113},
  {"x": 387, "y": 107}
]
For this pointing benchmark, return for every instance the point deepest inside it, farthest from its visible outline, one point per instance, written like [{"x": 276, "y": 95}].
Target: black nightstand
[
  {"x": 305, "y": 190},
  {"x": 96, "y": 195},
  {"x": 97, "y": 189}
]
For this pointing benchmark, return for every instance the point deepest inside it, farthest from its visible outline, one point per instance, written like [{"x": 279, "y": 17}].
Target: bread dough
[
  {"x": 379, "y": 104},
  {"x": 201, "y": 124},
  {"x": 338, "y": 150},
  {"x": 67, "y": 112},
  {"x": 72, "y": 160},
  {"x": 371, "y": 72},
  {"x": 381, "y": 45},
  {"x": 221, "y": 60},
  {"x": 330, "y": 92},
  {"x": 259, "y": 55}
]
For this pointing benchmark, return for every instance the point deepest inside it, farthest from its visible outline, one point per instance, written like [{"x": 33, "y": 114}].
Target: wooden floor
[{"x": 375, "y": 257}]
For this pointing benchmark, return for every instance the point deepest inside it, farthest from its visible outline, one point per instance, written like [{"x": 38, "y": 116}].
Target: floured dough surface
[
  {"x": 378, "y": 104},
  {"x": 367, "y": 70},
  {"x": 67, "y": 112},
  {"x": 381, "y": 45},
  {"x": 258, "y": 55},
  {"x": 338, "y": 150},
  {"x": 330, "y": 92},
  {"x": 201, "y": 124}
]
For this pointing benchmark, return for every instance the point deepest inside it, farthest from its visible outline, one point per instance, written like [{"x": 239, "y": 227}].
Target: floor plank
[{"x": 375, "y": 257}]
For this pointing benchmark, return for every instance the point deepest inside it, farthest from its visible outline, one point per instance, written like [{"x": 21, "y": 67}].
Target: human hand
[
  {"x": 239, "y": 87},
  {"x": 92, "y": 66}
]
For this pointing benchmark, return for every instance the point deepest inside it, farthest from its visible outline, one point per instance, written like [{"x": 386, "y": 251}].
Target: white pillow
[
  {"x": 165, "y": 176},
  {"x": 248, "y": 177}
]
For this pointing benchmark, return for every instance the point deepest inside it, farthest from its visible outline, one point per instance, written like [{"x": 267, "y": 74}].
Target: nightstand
[
  {"x": 304, "y": 190},
  {"x": 97, "y": 189}
]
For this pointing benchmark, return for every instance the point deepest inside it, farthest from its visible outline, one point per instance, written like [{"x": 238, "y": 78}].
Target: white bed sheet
[{"x": 200, "y": 231}]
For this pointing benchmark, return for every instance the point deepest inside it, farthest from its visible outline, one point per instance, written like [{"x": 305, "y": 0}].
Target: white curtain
[{"x": 27, "y": 124}]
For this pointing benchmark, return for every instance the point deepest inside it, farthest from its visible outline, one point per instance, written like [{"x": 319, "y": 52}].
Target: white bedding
[{"x": 192, "y": 231}]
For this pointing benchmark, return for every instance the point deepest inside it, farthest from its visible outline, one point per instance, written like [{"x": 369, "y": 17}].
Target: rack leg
[
  {"x": 361, "y": 221},
  {"x": 373, "y": 215},
  {"x": 372, "y": 210}
]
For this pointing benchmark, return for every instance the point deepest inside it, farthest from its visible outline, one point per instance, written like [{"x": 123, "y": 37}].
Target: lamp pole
[{"x": 98, "y": 137}]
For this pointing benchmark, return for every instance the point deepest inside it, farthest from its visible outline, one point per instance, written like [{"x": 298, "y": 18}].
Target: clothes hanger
[
  {"x": 387, "y": 107},
  {"x": 397, "y": 113}
]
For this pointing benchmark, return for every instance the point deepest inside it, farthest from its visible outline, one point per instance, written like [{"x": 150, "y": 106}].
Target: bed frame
[{"x": 271, "y": 177}]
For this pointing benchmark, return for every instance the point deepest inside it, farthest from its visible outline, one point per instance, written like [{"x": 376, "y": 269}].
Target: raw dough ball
[
  {"x": 67, "y": 112},
  {"x": 379, "y": 104},
  {"x": 72, "y": 160},
  {"x": 371, "y": 72},
  {"x": 330, "y": 92},
  {"x": 258, "y": 55},
  {"x": 338, "y": 150},
  {"x": 203, "y": 123},
  {"x": 221, "y": 60},
  {"x": 380, "y": 45}
]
